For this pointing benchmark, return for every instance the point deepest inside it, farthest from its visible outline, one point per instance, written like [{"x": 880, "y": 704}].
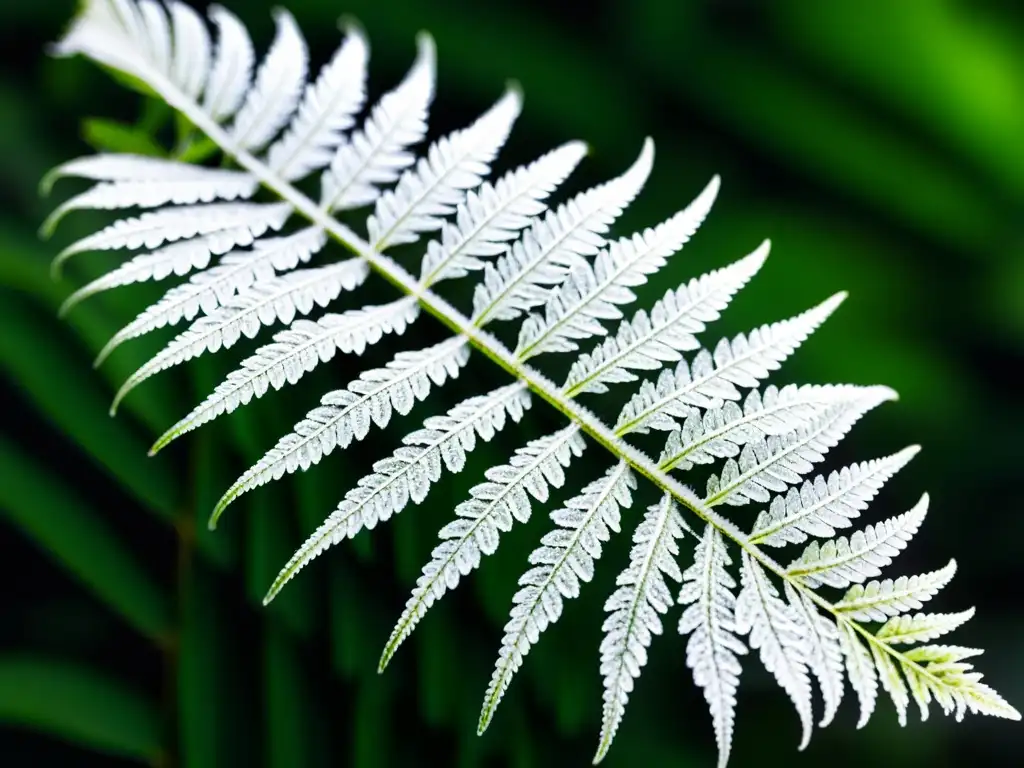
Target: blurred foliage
[{"x": 877, "y": 143}]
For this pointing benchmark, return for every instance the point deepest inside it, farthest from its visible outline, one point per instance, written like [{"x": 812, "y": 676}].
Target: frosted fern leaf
[
  {"x": 565, "y": 559},
  {"x": 591, "y": 294},
  {"x": 348, "y": 414},
  {"x": 494, "y": 214},
  {"x": 650, "y": 339},
  {"x": 777, "y": 462},
  {"x": 493, "y": 508},
  {"x": 432, "y": 189},
  {"x": 636, "y": 608},
  {"x": 713, "y": 378},
  {"x": 407, "y": 475},
  {"x": 843, "y": 561},
  {"x": 721, "y": 432},
  {"x": 567, "y": 265},
  {"x": 293, "y": 353},
  {"x": 549, "y": 249},
  {"x": 278, "y": 299},
  {"x": 213, "y": 287},
  {"x": 821, "y": 506},
  {"x": 709, "y": 618},
  {"x": 775, "y": 631},
  {"x": 880, "y": 600}
]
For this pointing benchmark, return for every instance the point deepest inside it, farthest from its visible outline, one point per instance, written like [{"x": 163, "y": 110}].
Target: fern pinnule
[{"x": 560, "y": 271}]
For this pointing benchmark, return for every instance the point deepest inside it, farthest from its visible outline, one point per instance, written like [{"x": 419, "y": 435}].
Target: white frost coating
[
  {"x": 408, "y": 474},
  {"x": 212, "y": 287},
  {"x": 778, "y": 462},
  {"x": 328, "y": 109},
  {"x": 277, "y": 300},
  {"x": 774, "y": 630},
  {"x": 713, "y": 378},
  {"x": 432, "y": 190},
  {"x": 650, "y": 339},
  {"x": 348, "y": 414},
  {"x": 721, "y": 432},
  {"x": 710, "y": 620},
  {"x": 494, "y": 214},
  {"x": 275, "y": 93},
  {"x": 232, "y": 66},
  {"x": 821, "y": 506},
  {"x": 293, "y": 353},
  {"x": 636, "y": 608},
  {"x": 860, "y": 668},
  {"x": 493, "y": 509},
  {"x": 564, "y": 560},
  {"x": 192, "y": 55},
  {"x": 881, "y": 600},
  {"x": 128, "y": 168},
  {"x": 378, "y": 152},
  {"x": 824, "y": 657},
  {"x": 591, "y": 294},
  {"x": 845, "y": 561},
  {"x": 921, "y": 627},
  {"x": 548, "y": 250}
]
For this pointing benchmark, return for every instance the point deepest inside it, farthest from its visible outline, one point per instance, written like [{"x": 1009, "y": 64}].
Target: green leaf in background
[
  {"x": 289, "y": 714},
  {"x": 79, "y": 705},
  {"x": 112, "y": 136},
  {"x": 50, "y": 514}
]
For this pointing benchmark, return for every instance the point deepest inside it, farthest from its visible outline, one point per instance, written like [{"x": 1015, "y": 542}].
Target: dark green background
[{"x": 880, "y": 145}]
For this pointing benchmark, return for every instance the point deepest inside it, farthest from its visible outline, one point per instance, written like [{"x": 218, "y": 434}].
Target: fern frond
[
  {"x": 408, "y": 474},
  {"x": 377, "y": 153},
  {"x": 824, "y": 656},
  {"x": 564, "y": 559},
  {"x": 921, "y": 627},
  {"x": 710, "y": 620},
  {"x": 635, "y": 610},
  {"x": 232, "y": 66},
  {"x": 213, "y": 287},
  {"x": 939, "y": 671},
  {"x": 347, "y": 414},
  {"x": 775, "y": 463},
  {"x": 649, "y": 340},
  {"x": 494, "y": 507},
  {"x": 843, "y": 561},
  {"x": 591, "y": 294},
  {"x": 821, "y": 506},
  {"x": 293, "y": 353},
  {"x": 550, "y": 248},
  {"x": 881, "y": 600},
  {"x": 494, "y": 214},
  {"x": 713, "y": 378},
  {"x": 279, "y": 299}
]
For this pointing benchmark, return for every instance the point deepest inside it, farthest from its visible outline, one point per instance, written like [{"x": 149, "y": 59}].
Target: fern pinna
[{"x": 559, "y": 273}]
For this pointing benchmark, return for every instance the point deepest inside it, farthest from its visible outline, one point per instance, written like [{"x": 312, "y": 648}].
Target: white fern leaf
[
  {"x": 650, "y": 339},
  {"x": 892, "y": 682},
  {"x": 408, "y": 474},
  {"x": 860, "y": 669},
  {"x": 275, "y": 93},
  {"x": 293, "y": 353},
  {"x": 278, "y": 300},
  {"x": 721, "y": 432},
  {"x": 824, "y": 656},
  {"x": 548, "y": 250},
  {"x": 940, "y": 671},
  {"x": 776, "y": 463},
  {"x": 213, "y": 287},
  {"x": 232, "y": 66},
  {"x": 193, "y": 53},
  {"x": 712, "y": 379},
  {"x": 437, "y": 184},
  {"x": 127, "y": 169},
  {"x": 710, "y": 620},
  {"x": 564, "y": 559},
  {"x": 921, "y": 627},
  {"x": 592, "y": 294},
  {"x": 494, "y": 214},
  {"x": 347, "y": 414},
  {"x": 494, "y": 507},
  {"x": 635, "y": 610},
  {"x": 881, "y": 600},
  {"x": 328, "y": 108},
  {"x": 378, "y": 153},
  {"x": 775, "y": 631},
  {"x": 153, "y": 22},
  {"x": 821, "y": 506},
  {"x": 842, "y": 561}
]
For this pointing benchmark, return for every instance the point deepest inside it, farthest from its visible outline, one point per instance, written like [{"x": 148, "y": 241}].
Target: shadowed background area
[{"x": 877, "y": 144}]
